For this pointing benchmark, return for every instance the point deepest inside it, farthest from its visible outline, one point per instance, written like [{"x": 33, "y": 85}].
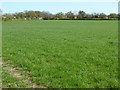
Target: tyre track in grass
[{"x": 25, "y": 79}]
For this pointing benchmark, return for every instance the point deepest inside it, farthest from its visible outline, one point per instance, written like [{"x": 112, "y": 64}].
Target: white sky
[
  {"x": 59, "y": 0},
  {"x": 12, "y": 6}
]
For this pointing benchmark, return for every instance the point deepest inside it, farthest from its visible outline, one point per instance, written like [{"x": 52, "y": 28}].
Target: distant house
[
  {"x": 40, "y": 18},
  {"x": 25, "y": 18},
  {"x": 14, "y": 17},
  {"x": 75, "y": 17},
  {"x": 4, "y": 17}
]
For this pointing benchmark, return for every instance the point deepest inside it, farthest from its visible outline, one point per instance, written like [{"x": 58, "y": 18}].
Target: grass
[
  {"x": 10, "y": 81},
  {"x": 64, "y": 54}
]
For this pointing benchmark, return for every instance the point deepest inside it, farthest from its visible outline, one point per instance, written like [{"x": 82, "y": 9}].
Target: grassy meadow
[{"x": 63, "y": 54}]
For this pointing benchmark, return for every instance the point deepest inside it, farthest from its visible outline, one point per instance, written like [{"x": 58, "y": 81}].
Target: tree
[
  {"x": 102, "y": 16},
  {"x": 88, "y": 16},
  {"x": 38, "y": 14},
  {"x": 7, "y": 17},
  {"x": 81, "y": 14},
  {"x": 119, "y": 16},
  {"x": 69, "y": 15},
  {"x": 60, "y": 16},
  {"x": 19, "y": 15},
  {"x": 30, "y": 14},
  {"x": 113, "y": 16},
  {"x": 47, "y": 15},
  {"x": 95, "y": 15}
]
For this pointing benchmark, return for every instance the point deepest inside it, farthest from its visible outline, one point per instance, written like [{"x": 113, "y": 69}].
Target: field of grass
[{"x": 66, "y": 54}]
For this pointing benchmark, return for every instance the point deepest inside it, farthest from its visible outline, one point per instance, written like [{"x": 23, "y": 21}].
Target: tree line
[{"x": 81, "y": 15}]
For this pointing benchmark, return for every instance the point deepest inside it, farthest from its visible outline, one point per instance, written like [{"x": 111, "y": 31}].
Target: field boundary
[{"x": 13, "y": 71}]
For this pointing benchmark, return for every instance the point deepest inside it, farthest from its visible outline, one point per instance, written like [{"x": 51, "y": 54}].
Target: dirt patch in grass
[{"x": 14, "y": 73}]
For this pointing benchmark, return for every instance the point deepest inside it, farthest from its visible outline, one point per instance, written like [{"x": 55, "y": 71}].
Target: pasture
[{"x": 63, "y": 54}]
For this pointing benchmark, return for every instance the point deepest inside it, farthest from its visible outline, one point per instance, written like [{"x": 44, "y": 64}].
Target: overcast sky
[{"x": 54, "y": 7}]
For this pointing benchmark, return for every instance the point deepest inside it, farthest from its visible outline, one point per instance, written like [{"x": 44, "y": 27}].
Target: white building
[{"x": 40, "y": 18}]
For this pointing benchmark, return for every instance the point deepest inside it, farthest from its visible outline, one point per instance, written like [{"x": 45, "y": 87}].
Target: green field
[{"x": 66, "y": 54}]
